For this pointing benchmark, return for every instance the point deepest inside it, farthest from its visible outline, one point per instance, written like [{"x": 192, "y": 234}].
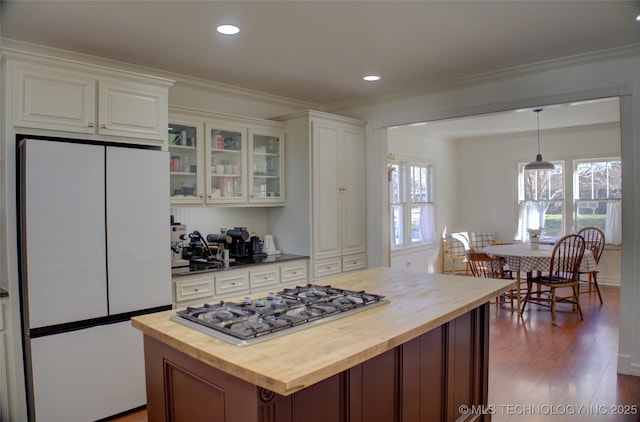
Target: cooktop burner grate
[{"x": 250, "y": 320}]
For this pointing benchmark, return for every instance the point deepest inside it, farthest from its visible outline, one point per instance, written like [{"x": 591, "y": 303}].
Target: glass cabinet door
[
  {"x": 225, "y": 164},
  {"x": 183, "y": 164},
  {"x": 266, "y": 179}
]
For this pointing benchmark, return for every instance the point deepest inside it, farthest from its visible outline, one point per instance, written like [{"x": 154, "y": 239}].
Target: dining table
[{"x": 522, "y": 258}]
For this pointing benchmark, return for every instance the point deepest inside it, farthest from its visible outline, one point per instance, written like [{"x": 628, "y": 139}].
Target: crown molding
[
  {"x": 508, "y": 73},
  {"x": 27, "y": 50}
]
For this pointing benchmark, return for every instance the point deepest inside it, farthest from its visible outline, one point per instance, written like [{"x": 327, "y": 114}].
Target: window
[
  {"x": 412, "y": 208},
  {"x": 597, "y": 192},
  {"x": 541, "y": 201},
  {"x": 545, "y": 203}
]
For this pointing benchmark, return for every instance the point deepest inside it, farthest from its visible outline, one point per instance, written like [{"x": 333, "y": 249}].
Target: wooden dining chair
[
  {"x": 563, "y": 273},
  {"x": 594, "y": 241},
  {"x": 485, "y": 266}
]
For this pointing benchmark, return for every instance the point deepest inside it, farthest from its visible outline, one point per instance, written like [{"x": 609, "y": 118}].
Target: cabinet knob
[
  {"x": 91, "y": 124},
  {"x": 196, "y": 289},
  {"x": 103, "y": 126},
  {"x": 202, "y": 196}
]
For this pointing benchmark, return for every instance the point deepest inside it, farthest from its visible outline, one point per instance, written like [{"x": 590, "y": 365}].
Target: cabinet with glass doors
[
  {"x": 266, "y": 166},
  {"x": 185, "y": 167},
  {"x": 225, "y": 163},
  {"x": 225, "y": 160}
]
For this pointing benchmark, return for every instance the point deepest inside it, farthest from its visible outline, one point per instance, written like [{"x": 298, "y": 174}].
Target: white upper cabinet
[
  {"x": 326, "y": 214},
  {"x": 225, "y": 160},
  {"x": 73, "y": 100},
  {"x": 266, "y": 166}
]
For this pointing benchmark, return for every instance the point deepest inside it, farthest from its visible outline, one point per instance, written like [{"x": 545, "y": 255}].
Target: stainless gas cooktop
[{"x": 253, "y": 320}]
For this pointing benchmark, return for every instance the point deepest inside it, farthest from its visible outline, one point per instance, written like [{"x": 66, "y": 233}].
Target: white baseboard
[{"x": 626, "y": 367}]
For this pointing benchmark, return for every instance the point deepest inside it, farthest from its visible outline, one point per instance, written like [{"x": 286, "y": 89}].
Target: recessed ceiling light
[
  {"x": 638, "y": 18},
  {"x": 371, "y": 78},
  {"x": 228, "y": 29}
]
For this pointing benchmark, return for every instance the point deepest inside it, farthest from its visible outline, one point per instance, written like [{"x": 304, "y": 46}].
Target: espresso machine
[
  {"x": 197, "y": 250},
  {"x": 178, "y": 238}
]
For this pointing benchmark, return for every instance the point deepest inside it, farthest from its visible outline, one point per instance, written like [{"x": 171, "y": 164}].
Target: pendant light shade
[{"x": 539, "y": 163}]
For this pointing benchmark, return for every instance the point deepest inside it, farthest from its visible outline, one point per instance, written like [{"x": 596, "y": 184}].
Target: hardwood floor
[
  {"x": 537, "y": 368},
  {"x": 541, "y": 372}
]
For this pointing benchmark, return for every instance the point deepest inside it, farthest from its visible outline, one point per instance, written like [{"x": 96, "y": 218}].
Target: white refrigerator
[{"x": 94, "y": 252}]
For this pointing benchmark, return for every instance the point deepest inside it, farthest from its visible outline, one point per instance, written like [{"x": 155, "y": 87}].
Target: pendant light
[{"x": 539, "y": 164}]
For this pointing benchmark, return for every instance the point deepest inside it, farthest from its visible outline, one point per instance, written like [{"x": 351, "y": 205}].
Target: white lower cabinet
[
  {"x": 190, "y": 288},
  {"x": 264, "y": 276},
  {"x": 294, "y": 273},
  {"x": 234, "y": 281},
  {"x": 354, "y": 262},
  {"x": 327, "y": 267},
  {"x": 196, "y": 289}
]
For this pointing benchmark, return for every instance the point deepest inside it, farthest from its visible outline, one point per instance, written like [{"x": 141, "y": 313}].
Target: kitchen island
[{"x": 417, "y": 358}]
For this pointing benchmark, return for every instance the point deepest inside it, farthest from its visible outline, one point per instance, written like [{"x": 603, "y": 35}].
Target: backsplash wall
[{"x": 211, "y": 219}]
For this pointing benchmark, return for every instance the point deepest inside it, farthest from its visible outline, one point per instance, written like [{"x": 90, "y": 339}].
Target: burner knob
[
  {"x": 246, "y": 301},
  {"x": 276, "y": 300},
  {"x": 259, "y": 302}
]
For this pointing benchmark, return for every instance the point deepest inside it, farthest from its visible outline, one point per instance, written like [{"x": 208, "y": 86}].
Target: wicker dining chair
[
  {"x": 485, "y": 266},
  {"x": 563, "y": 272},
  {"x": 594, "y": 241}
]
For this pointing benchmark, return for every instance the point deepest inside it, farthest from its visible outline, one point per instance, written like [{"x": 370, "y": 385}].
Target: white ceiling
[
  {"x": 318, "y": 51},
  {"x": 606, "y": 110}
]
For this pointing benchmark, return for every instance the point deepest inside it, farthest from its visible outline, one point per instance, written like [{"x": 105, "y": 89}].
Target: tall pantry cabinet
[{"x": 325, "y": 216}]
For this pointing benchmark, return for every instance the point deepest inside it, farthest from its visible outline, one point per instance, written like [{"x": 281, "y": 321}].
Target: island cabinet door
[{"x": 180, "y": 388}]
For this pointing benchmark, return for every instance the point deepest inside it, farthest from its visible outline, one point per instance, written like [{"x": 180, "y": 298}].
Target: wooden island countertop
[{"x": 289, "y": 363}]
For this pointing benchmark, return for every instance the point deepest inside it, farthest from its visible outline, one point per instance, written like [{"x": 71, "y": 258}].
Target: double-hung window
[
  {"x": 547, "y": 200},
  {"x": 412, "y": 206},
  {"x": 541, "y": 201},
  {"x": 597, "y": 196}
]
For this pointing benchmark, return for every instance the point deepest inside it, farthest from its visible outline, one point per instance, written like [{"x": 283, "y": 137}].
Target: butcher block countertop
[{"x": 418, "y": 303}]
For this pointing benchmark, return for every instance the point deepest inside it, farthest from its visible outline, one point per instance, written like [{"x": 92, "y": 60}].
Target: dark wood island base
[{"x": 427, "y": 378}]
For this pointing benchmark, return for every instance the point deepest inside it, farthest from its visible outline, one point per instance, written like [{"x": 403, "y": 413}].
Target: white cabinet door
[
  {"x": 353, "y": 192},
  {"x": 138, "y": 235},
  {"x": 133, "y": 110},
  {"x": 326, "y": 193},
  {"x": 88, "y": 374},
  {"x": 63, "y": 204},
  {"x": 73, "y": 100},
  {"x": 266, "y": 166},
  {"x": 50, "y": 99}
]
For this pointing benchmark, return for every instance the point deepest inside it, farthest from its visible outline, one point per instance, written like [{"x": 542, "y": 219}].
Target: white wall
[
  {"x": 574, "y": 79},
  {"x": 472, "y": 190},
  {"x": 488, "y": 167}
]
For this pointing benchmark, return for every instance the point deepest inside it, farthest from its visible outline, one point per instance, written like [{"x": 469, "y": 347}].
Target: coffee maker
[{"x": 240, "y": 244}]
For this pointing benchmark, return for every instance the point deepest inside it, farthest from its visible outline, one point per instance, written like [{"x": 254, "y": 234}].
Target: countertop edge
[{"x": 289, "y": 385}]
